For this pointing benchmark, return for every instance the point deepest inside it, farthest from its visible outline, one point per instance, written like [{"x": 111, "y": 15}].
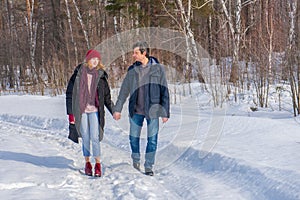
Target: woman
[{"x": 87, "y": 93}]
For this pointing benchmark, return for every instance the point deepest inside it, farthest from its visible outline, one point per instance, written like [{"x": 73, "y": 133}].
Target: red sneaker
[
  {"x": 88, "y": 169},
  {"x": 97, "y": 170}
]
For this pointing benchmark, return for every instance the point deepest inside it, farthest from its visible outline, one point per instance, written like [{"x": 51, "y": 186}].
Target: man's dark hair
[{"x": 143, "y": 46}]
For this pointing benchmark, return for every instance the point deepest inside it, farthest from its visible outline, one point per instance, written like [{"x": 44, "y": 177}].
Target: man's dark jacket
[{"x": 156, "y": 91}]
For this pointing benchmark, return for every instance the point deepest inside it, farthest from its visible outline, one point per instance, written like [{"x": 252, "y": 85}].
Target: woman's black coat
[{"x": 72, "y": 101}]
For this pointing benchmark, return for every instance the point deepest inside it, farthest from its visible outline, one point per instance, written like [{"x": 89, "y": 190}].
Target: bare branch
[{"x": 203, "y": 5}]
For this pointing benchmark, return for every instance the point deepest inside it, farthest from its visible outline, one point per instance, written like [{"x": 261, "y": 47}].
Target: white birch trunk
[
  {"x": 43, "y": 39},
  {"x": 238, "y": 30},
  {"x": 32, "y": 30},
  {"x": 235, "y": 29},
  {"x": 192, "y": 51},
  {"x": 82, "y": 25},
  {"x": 290, "y": 51},
  {"x": 11, "y": 19},
  {"x": 11, "y": 29},
  {"x": 270, "y": 30},
  {"x": 292, "y": 15},
  {"x": 119, "y": 39},
  {"x": 71, "y": 30}
]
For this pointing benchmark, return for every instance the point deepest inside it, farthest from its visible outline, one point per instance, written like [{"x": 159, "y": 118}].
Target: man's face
[{"x": 137, "y": 55}]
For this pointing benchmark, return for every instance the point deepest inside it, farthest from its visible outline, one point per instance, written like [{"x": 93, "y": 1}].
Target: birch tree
[
  {"x": 192, "y": 51},
  {"x": 31, "y": 36},
  {"x": 32, "y": 32},
  {"x": 85, "y": 33},
  {"x": 119, "y": 39},
  {"x": 291, "y": 58},
  {"x": 11, "y": 30},
  {"x": 234, "y": 24},
  {"x": 265, "y": 50},
  {"x": 270, "y": 30},
  {"x": 71, "y": 31},
  {"x": 184, "y": 25}
]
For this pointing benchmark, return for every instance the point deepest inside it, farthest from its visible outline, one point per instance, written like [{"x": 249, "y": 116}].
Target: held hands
[{"x": 117, "y": 115}]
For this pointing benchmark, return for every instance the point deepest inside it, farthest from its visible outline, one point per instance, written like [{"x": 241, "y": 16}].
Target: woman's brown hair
[{"x": 99, "y": 66}]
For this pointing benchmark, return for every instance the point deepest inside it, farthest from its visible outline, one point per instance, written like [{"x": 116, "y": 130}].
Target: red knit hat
[{"x": 92, "y": 54}]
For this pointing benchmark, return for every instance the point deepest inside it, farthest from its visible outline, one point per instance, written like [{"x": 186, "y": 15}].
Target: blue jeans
[
  {"x": 89, "y": 129},
  {"x": 136, "y": 123}
]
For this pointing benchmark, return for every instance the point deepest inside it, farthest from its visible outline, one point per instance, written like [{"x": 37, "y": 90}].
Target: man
[{"x": 146, "y": 83}]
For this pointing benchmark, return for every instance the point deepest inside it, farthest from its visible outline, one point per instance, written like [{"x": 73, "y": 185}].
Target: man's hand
[
  {"x": 117, "y": 115},
  {"x": 164, "y": 119}
]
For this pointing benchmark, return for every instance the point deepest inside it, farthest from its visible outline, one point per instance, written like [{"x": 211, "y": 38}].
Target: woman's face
[{"x": 93, "y": 62}]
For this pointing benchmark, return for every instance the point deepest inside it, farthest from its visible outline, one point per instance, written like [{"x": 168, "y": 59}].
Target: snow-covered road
[{"x": 255, "y": 157}]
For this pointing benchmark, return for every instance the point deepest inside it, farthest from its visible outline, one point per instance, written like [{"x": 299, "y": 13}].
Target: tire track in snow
[
  {"x": 265, "y": 162},
  {"x": 241, "y": 180}
]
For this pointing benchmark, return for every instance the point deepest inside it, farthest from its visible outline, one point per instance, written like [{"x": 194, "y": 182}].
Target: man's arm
[{"x": 123, "y": 94}]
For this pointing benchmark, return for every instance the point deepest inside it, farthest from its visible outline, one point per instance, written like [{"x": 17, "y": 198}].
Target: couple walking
[{"x": 88, "y": 92}]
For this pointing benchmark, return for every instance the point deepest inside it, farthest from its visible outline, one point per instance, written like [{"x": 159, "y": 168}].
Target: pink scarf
[{"x": 86, "y": 97}]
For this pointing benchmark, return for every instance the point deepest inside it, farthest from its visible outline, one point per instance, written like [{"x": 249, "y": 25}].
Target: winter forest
[{"x": 252, "y": 44}]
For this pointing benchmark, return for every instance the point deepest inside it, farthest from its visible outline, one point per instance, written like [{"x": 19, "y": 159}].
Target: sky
[{"x": 203, "y": 153}]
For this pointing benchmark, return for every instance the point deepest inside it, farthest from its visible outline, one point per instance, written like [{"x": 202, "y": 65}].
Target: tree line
[{"x": 252, "y": 43}]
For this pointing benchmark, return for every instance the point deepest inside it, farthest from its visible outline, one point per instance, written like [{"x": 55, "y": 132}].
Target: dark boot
[
  {"x": 137, "y": 166},
  {"x": 88, "y": 169},
  {"x": 149, "y": 172},
  {"x": 97, "y": 170}
]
